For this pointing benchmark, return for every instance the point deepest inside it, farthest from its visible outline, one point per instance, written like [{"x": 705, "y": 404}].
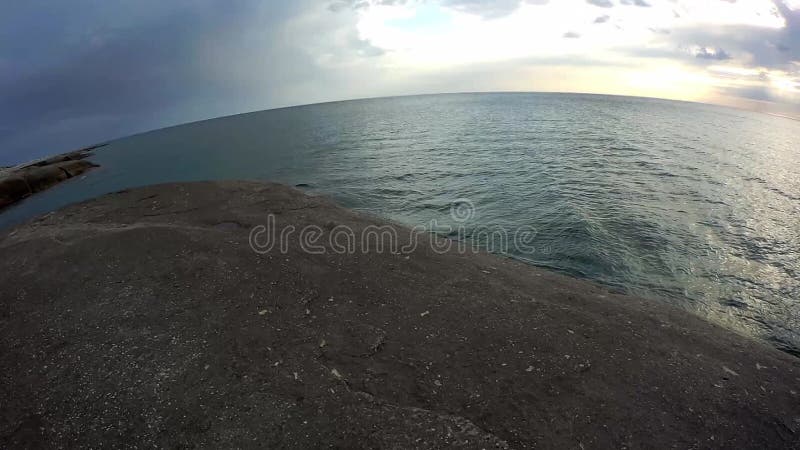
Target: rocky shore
[
  {"x": 145, "y": 318},
  {"x": 19, "y": 182}
]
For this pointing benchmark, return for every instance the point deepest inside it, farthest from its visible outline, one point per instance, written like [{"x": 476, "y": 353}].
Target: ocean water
[{"x": 690, "y": 204}]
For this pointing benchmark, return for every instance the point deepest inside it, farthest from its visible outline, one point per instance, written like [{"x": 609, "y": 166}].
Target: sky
[{"x": 84, "y": 71}]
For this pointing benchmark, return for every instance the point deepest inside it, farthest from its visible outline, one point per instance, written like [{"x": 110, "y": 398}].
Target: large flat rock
[{"x": 145, "y": 318}]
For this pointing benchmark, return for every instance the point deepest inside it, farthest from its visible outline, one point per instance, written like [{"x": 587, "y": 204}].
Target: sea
[{"x": 694, "y": 205}]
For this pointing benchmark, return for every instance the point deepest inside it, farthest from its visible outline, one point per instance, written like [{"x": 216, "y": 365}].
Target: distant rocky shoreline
[{"x": 19, "y": 182}]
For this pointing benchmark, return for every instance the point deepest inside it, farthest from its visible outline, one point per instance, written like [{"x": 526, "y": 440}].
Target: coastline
[
  {"x": 146, "y": 315},
  {"x": 23, "y": 180}
]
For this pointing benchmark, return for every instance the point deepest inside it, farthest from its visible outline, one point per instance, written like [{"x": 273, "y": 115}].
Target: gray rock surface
[{"x": 143, "y": 318}]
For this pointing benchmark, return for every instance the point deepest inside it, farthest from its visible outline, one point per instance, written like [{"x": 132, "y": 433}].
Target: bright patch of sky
[{"x": 664, "y": 47}]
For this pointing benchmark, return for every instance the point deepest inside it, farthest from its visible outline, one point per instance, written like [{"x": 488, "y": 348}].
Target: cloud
[
  {"x": 341, "y": 5},
  {"x": 94, "y": 73},
  {"x": 758, "y": 93},
  {"x": 601, "y": 3},
  {"x": 101, "y": 74},
  {"x": 602, "y": 19},
  {"x": 777, "y": 48},
  {"x": 489, "y": 9},
  {"x": 643, "y": 3},
  {"x": 716, "y": 54}
]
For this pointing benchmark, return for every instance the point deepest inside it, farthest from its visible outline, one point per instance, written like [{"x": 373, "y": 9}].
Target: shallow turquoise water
[{"x": 689, "y": 204}]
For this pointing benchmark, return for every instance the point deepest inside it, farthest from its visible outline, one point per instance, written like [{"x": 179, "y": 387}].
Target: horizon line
[{"x": 431, "y": 94}]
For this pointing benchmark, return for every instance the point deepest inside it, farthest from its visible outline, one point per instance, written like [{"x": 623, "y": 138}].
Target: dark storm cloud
[{"x": 89, "y": 72}]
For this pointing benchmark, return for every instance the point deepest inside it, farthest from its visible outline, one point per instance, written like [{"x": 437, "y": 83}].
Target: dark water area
[{"x": 690, "y": 204}]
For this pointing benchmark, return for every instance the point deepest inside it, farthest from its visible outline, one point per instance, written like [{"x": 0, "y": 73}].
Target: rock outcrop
[{"x": 19, "y": 182}]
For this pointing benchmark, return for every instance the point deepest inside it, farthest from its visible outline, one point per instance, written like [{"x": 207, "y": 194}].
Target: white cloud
[{"x": 669, "y": 42}]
